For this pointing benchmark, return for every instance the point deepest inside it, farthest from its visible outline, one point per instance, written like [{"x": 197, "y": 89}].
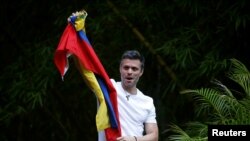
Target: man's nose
[{"x": 130, "y": 70}]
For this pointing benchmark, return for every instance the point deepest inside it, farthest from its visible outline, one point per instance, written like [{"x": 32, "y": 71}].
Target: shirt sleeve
[{"x": 152, "y": 115}]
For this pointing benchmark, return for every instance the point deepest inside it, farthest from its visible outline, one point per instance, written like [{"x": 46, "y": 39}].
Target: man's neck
[{"x": 132, "y": 90}]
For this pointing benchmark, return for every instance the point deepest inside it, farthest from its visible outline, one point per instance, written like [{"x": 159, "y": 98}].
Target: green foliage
[
  {"x": 221, "y": 105},
  {"x": 241, "y": 76},
  {"x": 197, "y": 132},
  {"x": 194, "y": 38},
  {"x": 27, "y": 89}
]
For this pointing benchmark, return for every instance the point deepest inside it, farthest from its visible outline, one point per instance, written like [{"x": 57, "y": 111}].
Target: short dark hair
[{"x": 134, "y": 55}]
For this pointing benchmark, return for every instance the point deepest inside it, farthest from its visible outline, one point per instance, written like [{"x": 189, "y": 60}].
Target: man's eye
[
  {"x": 134, "y": 69},
  {"x": 126, "y": 68}
]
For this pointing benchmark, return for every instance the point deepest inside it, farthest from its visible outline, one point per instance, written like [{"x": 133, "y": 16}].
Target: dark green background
[{"x": 193, "y": 38}]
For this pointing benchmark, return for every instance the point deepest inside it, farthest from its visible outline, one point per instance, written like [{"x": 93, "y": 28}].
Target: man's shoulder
[
  {"x": 144, "y": 96},
  {"x": 114, "y": 82}
]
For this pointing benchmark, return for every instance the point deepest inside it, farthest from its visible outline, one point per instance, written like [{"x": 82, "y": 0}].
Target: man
[{"x": 136, "y": 111}]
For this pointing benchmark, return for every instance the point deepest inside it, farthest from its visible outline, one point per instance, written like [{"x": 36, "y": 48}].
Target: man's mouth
[{"x": 129, "y": 78}]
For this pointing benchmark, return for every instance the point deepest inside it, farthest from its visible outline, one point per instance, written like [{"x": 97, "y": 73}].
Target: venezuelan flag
[{"x": 75, "y": 43}]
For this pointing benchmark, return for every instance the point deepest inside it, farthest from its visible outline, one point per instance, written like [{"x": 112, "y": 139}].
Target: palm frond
[
  {"x": 241, "y": 75},
  {"x": 197, "y": 129},
  {"x": 210, "y": 99},
  {"x": 223, "y": 88},
  {"x": 181, "y": 135}
]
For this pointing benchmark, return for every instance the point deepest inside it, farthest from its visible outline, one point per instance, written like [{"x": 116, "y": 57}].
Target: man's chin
[{"x": 129, "y": 85}]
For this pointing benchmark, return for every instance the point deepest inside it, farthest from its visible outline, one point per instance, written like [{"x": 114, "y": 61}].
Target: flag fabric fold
[{"x": 75, "y": 43}]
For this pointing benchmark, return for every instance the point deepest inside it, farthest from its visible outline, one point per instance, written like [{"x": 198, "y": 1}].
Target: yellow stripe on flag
[{"x": 102, "y": 118}]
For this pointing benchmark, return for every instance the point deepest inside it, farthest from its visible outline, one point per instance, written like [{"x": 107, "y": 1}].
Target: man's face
[{"x": 130, "y": 71}]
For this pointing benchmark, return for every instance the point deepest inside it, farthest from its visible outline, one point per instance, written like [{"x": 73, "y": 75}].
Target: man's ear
[
  {"x": 120, "y": 70},
  {"x": 141, "y": 72}
]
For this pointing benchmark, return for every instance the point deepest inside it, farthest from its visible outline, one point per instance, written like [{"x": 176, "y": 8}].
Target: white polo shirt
[{"x": 133, "y": 112}]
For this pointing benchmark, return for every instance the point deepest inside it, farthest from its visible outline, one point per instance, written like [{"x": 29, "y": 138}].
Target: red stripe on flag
[{"x": 71, "y": 43}]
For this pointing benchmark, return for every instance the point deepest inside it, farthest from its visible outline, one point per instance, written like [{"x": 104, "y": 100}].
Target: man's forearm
[{"x": 148, "y": 137}]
